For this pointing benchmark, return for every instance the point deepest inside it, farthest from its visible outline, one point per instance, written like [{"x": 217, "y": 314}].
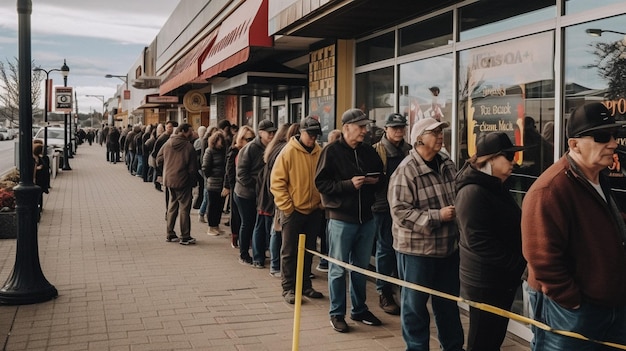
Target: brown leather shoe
[{"x": 388, "y": 304}]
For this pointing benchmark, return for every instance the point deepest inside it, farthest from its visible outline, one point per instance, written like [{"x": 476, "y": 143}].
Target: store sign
[
  {"x": 63, "y": 99},
  {"x": 162, "y": 99}
]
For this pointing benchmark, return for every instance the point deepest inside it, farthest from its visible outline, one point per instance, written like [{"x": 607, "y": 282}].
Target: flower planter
[{"x": 8, "y": 225}]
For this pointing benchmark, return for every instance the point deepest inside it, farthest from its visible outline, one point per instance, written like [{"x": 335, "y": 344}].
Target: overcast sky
[{"x": 97, "y": 37}]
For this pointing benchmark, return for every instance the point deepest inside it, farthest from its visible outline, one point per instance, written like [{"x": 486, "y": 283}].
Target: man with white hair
[{"x": 421, "y": 199}]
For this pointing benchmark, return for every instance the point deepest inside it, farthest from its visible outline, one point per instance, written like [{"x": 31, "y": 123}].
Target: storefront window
[
  {"x": 509, "y": 87},
  {"x": 375, "y": 49},
  {"x": 595, "y": 67},
  {"x": 576, "y": 6},
  {"x": 426, "y": 90},
  {"x": 426, "y": 35},
  {"x": 491, "y": 16},
  {"x": 375, "y": 94}
]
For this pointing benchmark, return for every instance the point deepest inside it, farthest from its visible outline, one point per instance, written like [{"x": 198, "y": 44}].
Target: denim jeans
[
  {"x": 276, "y": 239},
  {"x": 441, "y": 274},
  {"x": 261, "y": 237},
  {"x": 247, "y": 213},
  {"x": 385, "y": 254},
  {"x": 351, "y": 243},
  {"x": 139, "y": 159},
  {"x": 205, "y": 202},
  {"x": 593, "y": 321}
]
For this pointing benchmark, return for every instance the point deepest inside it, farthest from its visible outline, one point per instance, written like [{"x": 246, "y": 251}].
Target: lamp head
[
  {"x": 594, "y": 32},
  {"x": 108, "y": 76},
  {"x": 65, "y": 70}
]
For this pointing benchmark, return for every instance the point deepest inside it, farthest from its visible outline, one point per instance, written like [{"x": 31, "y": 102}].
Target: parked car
[
  {"x": 55, "y": 138},
  {"x": 6, "y": 134}
]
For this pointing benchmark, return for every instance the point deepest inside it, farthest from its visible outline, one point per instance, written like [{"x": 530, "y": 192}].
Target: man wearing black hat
[
  {"x": 297, "y": 198},
  {"x": 347, "y": 177},
  {"x": 392, "y": 149},
  {"x": 573, "y": 238},
  {"x": 249, "y": 164}
]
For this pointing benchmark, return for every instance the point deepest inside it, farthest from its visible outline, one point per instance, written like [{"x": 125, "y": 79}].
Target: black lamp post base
[{"x": 26, "y": 284}]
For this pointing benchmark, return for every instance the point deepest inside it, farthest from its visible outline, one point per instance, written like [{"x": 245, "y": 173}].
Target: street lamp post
[
  {"x": 46, "y": 102},
  {"x": 65, "y": 70},
  {"x": 596, "y": 32},
  {"x": 123, "y": 78},
  {"x": 101, "y": 98},
  {"x": 26, "y": 284}
]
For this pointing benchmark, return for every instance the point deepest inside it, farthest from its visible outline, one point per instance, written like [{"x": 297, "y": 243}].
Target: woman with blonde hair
[{"x": 245, "y": 135}]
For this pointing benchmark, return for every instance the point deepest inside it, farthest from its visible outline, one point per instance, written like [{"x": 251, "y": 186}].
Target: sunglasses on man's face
[
  {"x": 509, "y": 155},
  {"x": 602, "y": 136}
]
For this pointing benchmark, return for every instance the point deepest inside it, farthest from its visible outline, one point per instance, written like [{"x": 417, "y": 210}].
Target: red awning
[
  {"x": 246, "y": 27},
  {"x": 188, "y": 67}
]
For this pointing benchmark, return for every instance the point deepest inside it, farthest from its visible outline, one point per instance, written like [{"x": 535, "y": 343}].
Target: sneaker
[
  {"x": 289, "y": 296},
  {"x": 245, "y": 261},
  {"x": 213, "y": 231},
  {"x": 322, "y": 267},
  {"x": 275, "y": 274},
  {"x": 201, "y": 218},
  {"x": 312, "y": 293},
  {"x": 187, "y": 241},
  {"x": 339, "y": 324},
  {"x": 388, "y": 304},
  {"x": 366, "y": 318},
  {"x": 258, "y": 265},
  {"x": 172, "y": 239}
]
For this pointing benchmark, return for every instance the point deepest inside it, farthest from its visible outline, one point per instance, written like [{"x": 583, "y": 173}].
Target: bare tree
[
  {"x": 10, "y": 87},
  {"x": 611, "y": 65}
]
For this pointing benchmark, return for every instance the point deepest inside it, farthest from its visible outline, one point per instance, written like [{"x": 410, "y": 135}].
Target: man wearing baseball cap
[
  {"x": 392, "y": 149},
  {"x": 574, "y": 239},
  {"x": 347, "y": 177},
  {"x": 425, "y": 236}
]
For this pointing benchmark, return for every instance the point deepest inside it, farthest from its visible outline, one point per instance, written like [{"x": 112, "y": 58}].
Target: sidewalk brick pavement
[{"x": 122, "y": 287}]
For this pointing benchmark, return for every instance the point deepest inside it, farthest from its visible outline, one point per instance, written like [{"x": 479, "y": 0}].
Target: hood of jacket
[{"x": 178, "y": 142}]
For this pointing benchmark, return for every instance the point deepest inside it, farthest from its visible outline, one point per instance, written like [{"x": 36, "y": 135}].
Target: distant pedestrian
[{"x": 178, "y": 159}]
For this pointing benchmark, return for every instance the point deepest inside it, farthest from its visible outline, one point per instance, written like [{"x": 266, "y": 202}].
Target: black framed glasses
[
  {"x": 602, "y": 136},
  {"x": 249, "y": 139}
]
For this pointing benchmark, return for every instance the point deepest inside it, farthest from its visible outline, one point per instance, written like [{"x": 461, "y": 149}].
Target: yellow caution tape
[{"x": 478, "y": 305}]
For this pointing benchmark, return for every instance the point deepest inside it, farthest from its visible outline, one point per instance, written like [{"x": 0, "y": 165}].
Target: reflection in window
[
  {"x": 491, "y": 16},
  {"x": 375, "y": 94},
  {"x": 426, "y": 35},
  {"x": 375, "y": 49},
  {"x": 595, "y": 67},
  {"x": 426, "y": 90},
  {"x": 575, "y": 6},
  {"x": 509, "y": 87}
]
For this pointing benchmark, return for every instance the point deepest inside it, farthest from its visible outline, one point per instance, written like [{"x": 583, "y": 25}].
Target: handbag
[{"x": 151, "y": 161}]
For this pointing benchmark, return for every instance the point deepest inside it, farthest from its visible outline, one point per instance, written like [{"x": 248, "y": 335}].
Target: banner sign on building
[{"x": 63, "y": 99}]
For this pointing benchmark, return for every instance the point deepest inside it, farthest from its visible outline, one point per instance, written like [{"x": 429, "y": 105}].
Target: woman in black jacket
[
  {"x": 490, "y": 244},
  {"x": 214, "y": 168}
]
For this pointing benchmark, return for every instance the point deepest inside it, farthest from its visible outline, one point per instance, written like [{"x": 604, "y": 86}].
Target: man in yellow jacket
[{"x": 295, "y": 195}]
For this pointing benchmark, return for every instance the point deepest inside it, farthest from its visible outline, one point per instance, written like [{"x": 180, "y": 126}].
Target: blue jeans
[
  {"x": 139, "y": 159},
  {"x": 441, "y": 274},
  {"x": 351, "y": 243},
  {"x": 205, "y": 202},
  {"x": 261, "y": 237},
  {"x": 593, "y": 321},
  {"x": 385, "y": 254},
  {"x": 276, "y": 239},
  {"x": 247, "y": 213}
]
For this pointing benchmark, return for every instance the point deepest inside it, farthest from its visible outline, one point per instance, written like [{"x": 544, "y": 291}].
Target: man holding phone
[{"x": 346, "y": 179}]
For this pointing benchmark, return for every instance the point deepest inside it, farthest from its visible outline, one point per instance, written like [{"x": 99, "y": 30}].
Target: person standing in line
[
  {"x": 177, "y": 157},
  {"x": 490, "y": 245},
  {"x": 574, "y": 239},
  {"x": 392, "y": 149},
  {"x": 199, "y": 198},
  {"x": 244, "y": 135},
  {"x": 347, "y": 177},
  {"x": 113, "y": 144},
  {"x": 299, "y": 203},
  {"x": 169, "y": 130},
  {"x": 266, "y": 198},
  {"x": 214, "y": 168},
  {"x": 425, "y": 236},
  {"x": 250, "y": 162}
]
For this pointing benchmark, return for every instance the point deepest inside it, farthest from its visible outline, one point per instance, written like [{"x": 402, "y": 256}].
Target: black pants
[
  {"x": 294, "y": 225},
  {"x": 487, "y": 330},
  {"x": 216, "y": 203}
]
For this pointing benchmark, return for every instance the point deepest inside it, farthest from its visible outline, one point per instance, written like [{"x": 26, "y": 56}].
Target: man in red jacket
[{"x": 573, "y": 238}]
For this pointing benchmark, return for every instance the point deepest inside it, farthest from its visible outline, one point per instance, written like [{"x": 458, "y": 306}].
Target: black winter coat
[
  {"x": 214, "y": 168},
  {"x": 489, "y": 223}
]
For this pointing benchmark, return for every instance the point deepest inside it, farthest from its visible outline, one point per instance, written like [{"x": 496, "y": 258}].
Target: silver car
[{"x": 6, "y": 134}]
